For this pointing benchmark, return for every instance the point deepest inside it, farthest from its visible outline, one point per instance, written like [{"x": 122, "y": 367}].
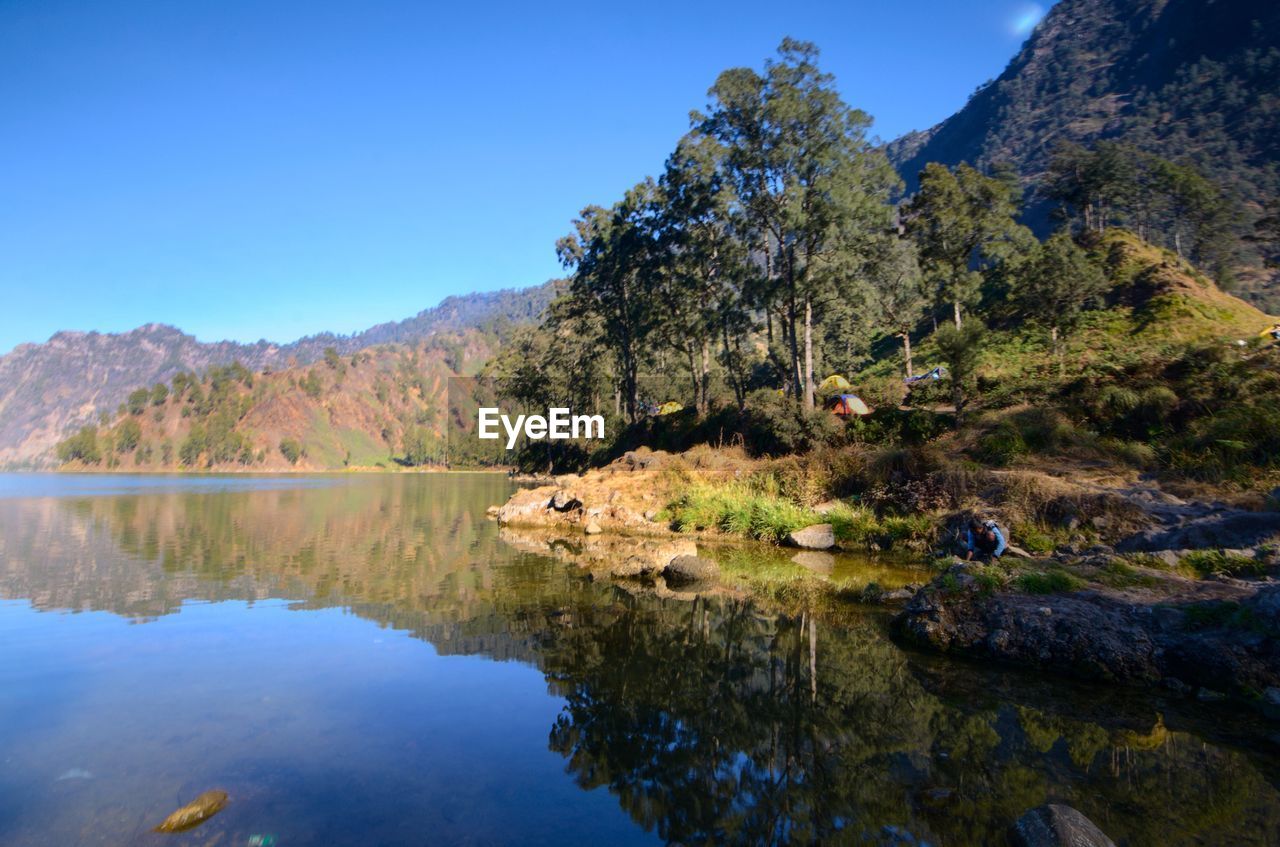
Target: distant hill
[
  {"x": 50, "y": 389},
  {"x": 1185, "y": 79},
  {"x": 381, "y": 406}
]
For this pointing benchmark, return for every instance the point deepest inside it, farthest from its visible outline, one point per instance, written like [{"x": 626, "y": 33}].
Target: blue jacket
[{"x": 1000, "y": 542}]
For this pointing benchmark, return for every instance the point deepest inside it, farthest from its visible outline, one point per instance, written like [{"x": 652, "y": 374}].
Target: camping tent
[
  {"x": 670, "y": 408},
  {"x": 834, "y": 383},
  {"x": 845, "y": 405}
]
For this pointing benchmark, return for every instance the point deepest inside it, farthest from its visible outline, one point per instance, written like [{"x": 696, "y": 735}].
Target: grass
[
  {"x": 739, "y": 509},
  {"x": 1053, "y": 581},
  {"x": 1120, "y": 574},
  {"x": 1215, "y": 562}
]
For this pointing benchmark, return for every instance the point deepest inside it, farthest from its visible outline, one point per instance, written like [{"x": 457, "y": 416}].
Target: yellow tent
[
  {"x": 670, "y": 407},
  {"x": 1271, "y": 332},
  {"x": 834, "y": 383}
]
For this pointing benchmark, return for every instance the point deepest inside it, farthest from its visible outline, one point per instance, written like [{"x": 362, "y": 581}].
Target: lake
[{"x": 364, "y": 660}]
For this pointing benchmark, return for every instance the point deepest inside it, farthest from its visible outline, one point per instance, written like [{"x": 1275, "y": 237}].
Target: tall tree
[
  {"x": 899, "y": 293},
  {"x": 1057, "y": 285},
  {"x": 611, "y": 253},
  {"x": 805, "y": 176},
  {"x": 705, "y": 276},
  {"x": 961, "y": 219}
]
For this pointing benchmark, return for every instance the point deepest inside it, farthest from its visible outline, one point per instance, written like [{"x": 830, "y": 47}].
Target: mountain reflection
[{"x": 711, "y": 720}]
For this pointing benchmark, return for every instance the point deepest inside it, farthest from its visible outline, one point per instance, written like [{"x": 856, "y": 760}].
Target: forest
[{"x": 778, "y": 247}]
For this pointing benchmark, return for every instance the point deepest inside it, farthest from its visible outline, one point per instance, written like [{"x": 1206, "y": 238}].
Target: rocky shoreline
[{"x": 1132, "y": 613}]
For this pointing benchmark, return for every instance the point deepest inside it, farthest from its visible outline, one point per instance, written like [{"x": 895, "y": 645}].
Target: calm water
[{"x": 365, "y": 661}]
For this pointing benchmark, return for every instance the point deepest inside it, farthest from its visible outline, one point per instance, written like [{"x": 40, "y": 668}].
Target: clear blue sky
[{"x": 274, "y": 168}]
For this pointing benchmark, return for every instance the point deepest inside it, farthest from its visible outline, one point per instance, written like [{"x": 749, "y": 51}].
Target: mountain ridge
[
  {"x": 1188, "y": 80},
  {"x": 48, "y": 389}
]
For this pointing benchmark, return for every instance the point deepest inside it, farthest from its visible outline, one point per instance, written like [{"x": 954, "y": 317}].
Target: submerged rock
[
  {"x": 1054, "y": 825},
  {"x": 820, "y": 536},
  {"x": 690, "y": 570},
  {"x": 194, "y": 813}
]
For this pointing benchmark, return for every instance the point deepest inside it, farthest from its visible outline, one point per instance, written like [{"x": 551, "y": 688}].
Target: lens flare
[{"x": 1026, "y": 20}]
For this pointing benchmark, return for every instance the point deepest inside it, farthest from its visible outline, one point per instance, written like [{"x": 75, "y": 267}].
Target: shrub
[
  {"x": 291, "y": 449},
  {"x": 773, "y": 425},
  {"x": 82, "y": 447}
]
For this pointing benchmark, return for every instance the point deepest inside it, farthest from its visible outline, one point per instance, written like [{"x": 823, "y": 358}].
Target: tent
[
  {"x": 845, "y": 405},
  {"x": 670, "y": 408},
  {"x": 834, "y": 383},
  {"x": 935, "y": 374}
]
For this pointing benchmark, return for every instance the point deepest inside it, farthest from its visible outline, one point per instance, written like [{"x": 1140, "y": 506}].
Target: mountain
[
  {"x": 1185, "y": 79},
  {"x": 50, "y": 389},
  {"x": 379, "y": 406}
]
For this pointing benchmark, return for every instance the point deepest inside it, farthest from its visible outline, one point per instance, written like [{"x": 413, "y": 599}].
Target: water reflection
[{"x": 706, "y": 721}]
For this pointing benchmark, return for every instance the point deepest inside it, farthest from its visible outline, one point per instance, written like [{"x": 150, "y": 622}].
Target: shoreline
[{"x": 1185, "y": 596}]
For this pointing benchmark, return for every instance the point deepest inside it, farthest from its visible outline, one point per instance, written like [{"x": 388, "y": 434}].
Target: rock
[
  {"x": 1055, "y": 825},
  {"x": 1169, "y": 557},
  {"x": 527, "y": 506},
  {"x": 493, "y": 511},
  {"x": 816, "y": 561},
  {"x": 633, "y": 568},
  {"x": 564, "y": 500},
  {"x": 897, "y": 595},
  {"x": 826, "y": 507},
  {"x": 650, "y": 514},
  {"x": 194, "y": 813},
  {"x": 1016, "y": 551},
  {"x": 592, "y": 528},
  {"x": 820, "y": 536},
  {"x": 1229, "y": 529},
  {"x": 690, "y": 570},
  {"x": 1100, "y": 521}
]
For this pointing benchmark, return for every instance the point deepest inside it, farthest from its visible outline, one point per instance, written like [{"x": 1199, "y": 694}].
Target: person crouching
[{"x": 984, "y": 541}]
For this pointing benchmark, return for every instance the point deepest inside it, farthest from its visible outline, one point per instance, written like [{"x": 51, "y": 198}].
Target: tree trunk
[
  {"x": 906, "y": 351},
  {"x": 704, "y": 401},
  {"x": 730, "y": 364},
  {"x": 796, "y": 377},
  {"x": 808, "y": 352},
  {"x": 956, "y": 307}
]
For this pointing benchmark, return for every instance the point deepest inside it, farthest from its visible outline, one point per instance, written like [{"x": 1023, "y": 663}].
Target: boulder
[
  {"x": 1055, "y": 825},
  {"x": 690, "y": 570},
  {"x": 528, "y": 506},
  {"x": 493, "y": 511},
  {"x": 820, "y": 536},
  {"x": 564, "y": 500},
  {"x": 592, "y": 528}
]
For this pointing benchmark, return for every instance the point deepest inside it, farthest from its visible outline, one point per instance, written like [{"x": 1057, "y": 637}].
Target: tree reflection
[{"x": 712, "y": 720}]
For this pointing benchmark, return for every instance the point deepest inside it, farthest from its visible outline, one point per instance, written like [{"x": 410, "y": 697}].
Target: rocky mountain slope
[
  {"x": 50, "y": 389},
  {"x": 378, "y": 407},
  {"x": 1195, "y": 80}
]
